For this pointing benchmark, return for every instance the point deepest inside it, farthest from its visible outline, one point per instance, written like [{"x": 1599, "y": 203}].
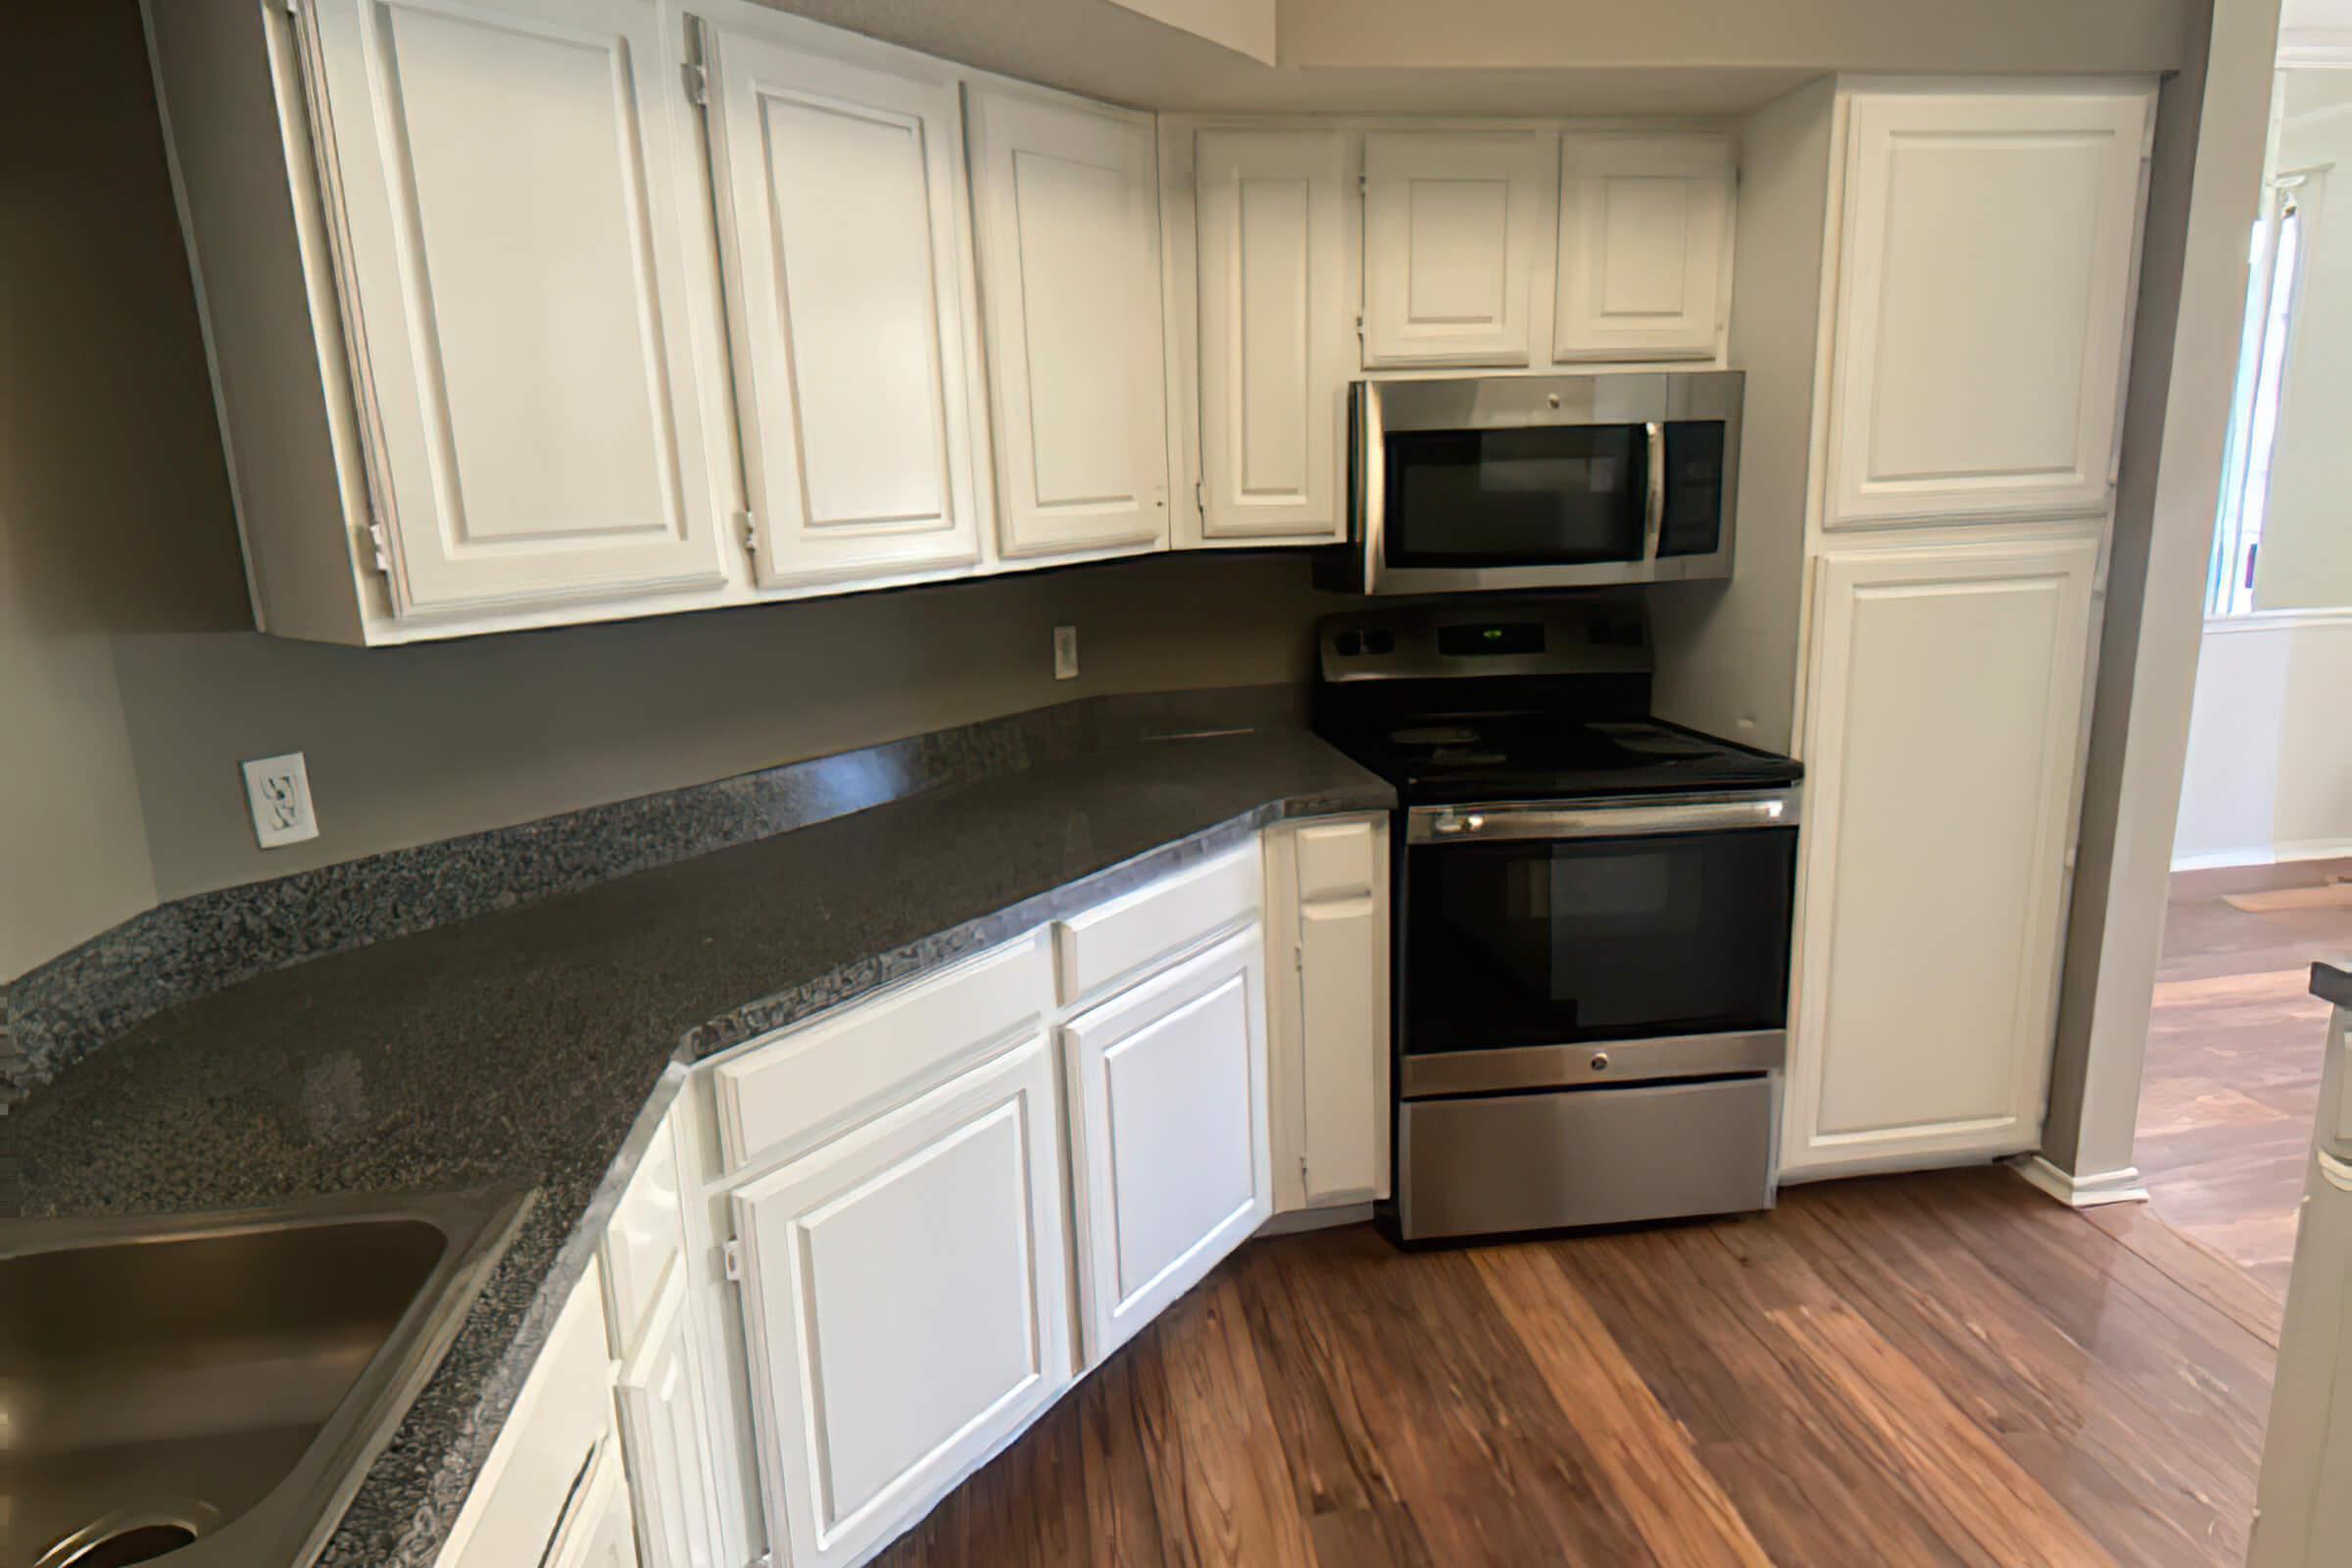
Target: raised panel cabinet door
[
  {"x": 1171, "y": 1148},
  {"x": 1984, "y": 290},
  {"x": 905, "y": 1304},
  {"x": 1450, "y": 234},
  {"x": 1069, "y": 279},
  {"x": 1275, "y": 357},
  {"x": 662, "y": 1434},
  {"x": 838, "y": 223},
  {"x": 514, "y": 254},
  {"x": 1947, "y": 705},
  {"x": 1645, "y": 232}
]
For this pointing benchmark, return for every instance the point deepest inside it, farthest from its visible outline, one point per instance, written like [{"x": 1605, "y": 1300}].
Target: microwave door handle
[{"x": 1653, "y": 517}]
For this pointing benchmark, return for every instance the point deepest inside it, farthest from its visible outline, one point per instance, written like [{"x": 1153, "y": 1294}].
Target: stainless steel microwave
[{"x": 1520, "y": 482}]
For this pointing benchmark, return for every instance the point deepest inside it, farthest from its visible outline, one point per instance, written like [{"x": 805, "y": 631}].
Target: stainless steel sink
[{"x": 211, "y": 1390}]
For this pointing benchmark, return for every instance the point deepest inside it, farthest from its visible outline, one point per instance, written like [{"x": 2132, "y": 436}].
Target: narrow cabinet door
[
  {"x": 1275, "y": 355},
  {"x": 1343, "y": 968},
  {"x": 513, "y": 253},
  {"x": 1070, "y": 273},
  {"x": 1450, "y": 232},
  {"x": 1169, "y": 1142},
  {"x": 1985, "y": 285},
  {"x": 905, "y": 1304},
  {"x": 1947, "y": 703},
  {"x": 838, "y": 187},
  {"x": 661, "y": 1432},
  {"x": 1644, "y": 224}
]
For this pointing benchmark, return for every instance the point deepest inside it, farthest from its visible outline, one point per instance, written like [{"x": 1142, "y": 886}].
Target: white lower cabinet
[
  {"x": 906, "y": 1304},
  {"x": 1169, "y": 1145},
  {"x": 1327, "y": 899},
  {"x": 1942, "y": 751},
  {"x": 662, "y": 1432}
]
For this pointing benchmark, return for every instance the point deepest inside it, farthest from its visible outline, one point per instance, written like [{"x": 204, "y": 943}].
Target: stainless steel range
[{"x": 1592, "y": 913}]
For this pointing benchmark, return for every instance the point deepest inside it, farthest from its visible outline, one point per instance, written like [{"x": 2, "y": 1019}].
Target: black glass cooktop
[{"x": 1438, "y": 757}]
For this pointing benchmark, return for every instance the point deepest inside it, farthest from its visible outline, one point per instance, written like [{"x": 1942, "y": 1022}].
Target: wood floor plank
[
  {"x": 1676, "y": 1503},
  {"x": 2195, "y": 1267},
  {"x": 1491, "y": 1468},
  {"x": 1122, "y": 1518},
  {"x": 1219, "y": 1478},
  {"x": 1353, "y": 1509},
  {"x": 2048, "y": 1399},
  {"x": 1698, "y": 1333}
]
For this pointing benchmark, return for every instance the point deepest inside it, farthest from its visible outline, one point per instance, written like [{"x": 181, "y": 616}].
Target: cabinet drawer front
[
  {"x": 646, "y": 1235},
  {"x": 905, "y": 1304},
  {"x": 1120, "y": 939},
  {"x": 1170, "y": 1144},
  {"x": 817, "y": 1078},
  {"x": 559, "y": 1420}
]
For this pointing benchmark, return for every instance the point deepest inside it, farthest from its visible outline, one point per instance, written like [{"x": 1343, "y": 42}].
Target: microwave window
[{"x": 1552, "y": 495}]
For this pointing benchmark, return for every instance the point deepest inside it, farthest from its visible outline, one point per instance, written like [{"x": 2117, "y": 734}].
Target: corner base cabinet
[{"x": 1943, "y": 737}]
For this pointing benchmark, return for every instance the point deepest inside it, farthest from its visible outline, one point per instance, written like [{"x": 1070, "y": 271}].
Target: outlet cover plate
[
  {"x": 1065, "y": 652},
  {"x": 278, "y": 789}
]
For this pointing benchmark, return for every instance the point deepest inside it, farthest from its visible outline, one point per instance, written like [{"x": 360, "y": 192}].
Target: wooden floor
[
  {"x": 1923, "y": 1369},
  {"x": 2232, "y": 1074}
]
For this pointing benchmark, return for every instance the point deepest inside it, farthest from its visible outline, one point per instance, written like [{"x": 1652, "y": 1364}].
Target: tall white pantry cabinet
[{"x": 1979, "y": 269}]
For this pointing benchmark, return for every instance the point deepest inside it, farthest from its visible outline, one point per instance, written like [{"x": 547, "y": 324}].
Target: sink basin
[{"x": 211, "y": 1390}]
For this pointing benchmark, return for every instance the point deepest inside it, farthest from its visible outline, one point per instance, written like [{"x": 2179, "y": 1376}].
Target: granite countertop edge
[
  {"x": 415, "y": 1485},
  {"x": 2333, "y": 982}
]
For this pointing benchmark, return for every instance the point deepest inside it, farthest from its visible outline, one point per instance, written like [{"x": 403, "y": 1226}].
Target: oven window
[
  {"x": 1552, "y": 941},
  {"x": 1551, "y": 495}
]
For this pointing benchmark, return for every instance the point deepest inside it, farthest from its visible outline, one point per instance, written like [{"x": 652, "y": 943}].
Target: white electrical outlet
[
  {"x": 1065, "y": 652},
  {"x": 278, "y": 789}
]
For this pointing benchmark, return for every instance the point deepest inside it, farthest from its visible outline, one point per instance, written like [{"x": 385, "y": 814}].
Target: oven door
[
  {"x": 1579, "y": 943},
  {"x": 1519, "y": 483}
]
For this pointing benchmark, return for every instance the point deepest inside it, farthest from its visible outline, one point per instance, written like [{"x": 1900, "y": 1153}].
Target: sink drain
[{"x": 131, "y": 1536}]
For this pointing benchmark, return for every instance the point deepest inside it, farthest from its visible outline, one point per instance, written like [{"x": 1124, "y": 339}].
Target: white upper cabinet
[
  {"x": 1984, "y": 290},
  {"x": 1070, "y": 274},
  {"x": 1645, "y": 246},
  {"x": 1275, "y": 353},
  {"x": 504, "y": 185},
  {"x": 1450, "y": 219},
  {"x": 906, "y": 1304},
  {"x": 1947, "y": 707},
  {"x": 838, "y": 190}
]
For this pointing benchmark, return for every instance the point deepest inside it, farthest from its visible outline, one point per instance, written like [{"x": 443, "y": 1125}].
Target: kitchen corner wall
[{"x": 131, "y": 682}]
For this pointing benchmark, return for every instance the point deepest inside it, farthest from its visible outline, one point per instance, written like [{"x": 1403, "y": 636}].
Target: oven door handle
[
  {"x": 1654, "y": 514},
  {"x": 1601, "y": 820}
]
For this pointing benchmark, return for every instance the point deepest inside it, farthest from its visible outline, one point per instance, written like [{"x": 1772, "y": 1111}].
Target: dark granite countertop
[
  {"x": 538, "y": 1046},
  {"x": 2333, "y": 982}
]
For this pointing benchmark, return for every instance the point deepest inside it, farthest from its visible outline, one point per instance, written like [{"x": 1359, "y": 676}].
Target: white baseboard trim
[
  {"x": 2267, "y": 855},
  {"x": 2080, "y": 1192}
]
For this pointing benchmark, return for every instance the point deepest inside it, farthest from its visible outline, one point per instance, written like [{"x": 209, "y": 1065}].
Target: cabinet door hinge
[
  {"x": 697, "y": 82},
  {"x": 1303, "y": 1170},
  {"x": 379, "y": 548},
  {"x": 731, "y": 1252},
  {"x": 1363, "y": 184},
  {"x": 1201, "y": 496},
  {"x": 1360, "y": 329},
  {"x": 1299, "y": 958},
  {"x": 747, "y": 525}
]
